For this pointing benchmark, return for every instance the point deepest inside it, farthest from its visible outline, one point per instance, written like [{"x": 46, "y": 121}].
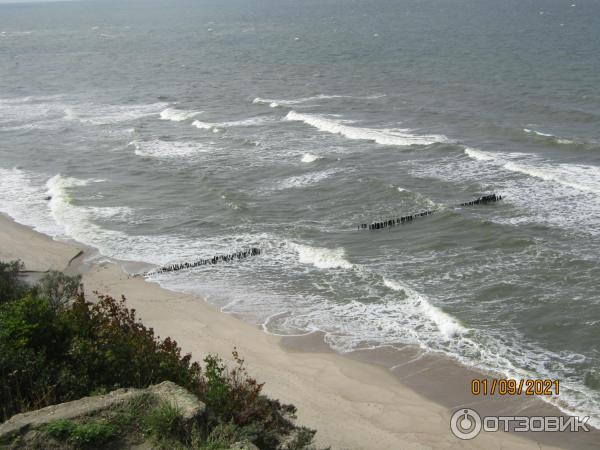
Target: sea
[{"x": 164, "y": 132}]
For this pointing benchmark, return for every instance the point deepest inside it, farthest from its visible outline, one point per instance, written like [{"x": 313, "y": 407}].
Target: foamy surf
[
  {"x": 97, "y": 114},
  {"x": 308, "y": 158},
  {"x": 548, "y": 136},
  {"x": 584, "y": 178},
  {"x": 274, "y": 103},
  {"x": 580, "y": 177},
  {"x": 160, "y": 149},
  {"x": 447, "y": 325},
  {"x": 320, "y": 257},
  {"x": 249, "y": 122},
  {"x": 478, "y": 154},
  {"x": 178, "y": 115},
  {"x": 78, "y": 222},
  {"x": 23, "y": 196},
  {"x": 380, "y": 136},
  {"x": 307, "y": 179}
]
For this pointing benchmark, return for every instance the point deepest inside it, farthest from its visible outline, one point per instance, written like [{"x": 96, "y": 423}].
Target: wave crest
[
  {"x": 383, "y": 137},
  {"x": 178, "y": 115},
  {"x": 320, "y": 257}
]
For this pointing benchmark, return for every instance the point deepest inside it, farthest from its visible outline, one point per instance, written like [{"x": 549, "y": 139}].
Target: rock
[
  {"x": 190, "y": 407},
  {"x": 20, "y": 423},
  {"x": 166, "y": 391}
]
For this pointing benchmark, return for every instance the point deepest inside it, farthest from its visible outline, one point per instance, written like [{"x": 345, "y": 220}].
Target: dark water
[{"x": 173, "y": 131}]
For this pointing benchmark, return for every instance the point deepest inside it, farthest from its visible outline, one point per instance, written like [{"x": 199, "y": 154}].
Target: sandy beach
[{"x": 352, "y": 403}]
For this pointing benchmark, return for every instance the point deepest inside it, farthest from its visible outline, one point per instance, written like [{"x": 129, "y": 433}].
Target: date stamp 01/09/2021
[{"x": 508, "y": 386}]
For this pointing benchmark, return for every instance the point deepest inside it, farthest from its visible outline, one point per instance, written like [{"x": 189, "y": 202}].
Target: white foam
[
  {"x": 28, "y": 112},
  {"x": 308, "y": 158},
  {"x": 306, "y": 179},
  {"x": 584, "y": 178},
  {"x": 70, "y": 114},
  {"x": 96, "y": 114},
  {"x": 78, "y": 223},
  {"x": 539, "y": 133},
  {"x": 447, "y": 325},
  {"x": 249, "y": 122},
  {"x": 178, "y": 115},
  {"x": 203, "y": 125},
  {"x": 580, "y": 177},
  {"x": 380, "y": 136},
  {"x": 22, "y": 196},
  {"x": 277, "y": 102},
  {"x": 478, "y": 154},
  {"x": 561, "y": 195},
  {"x": 8, "y": 34},
  {"x": 274, "y": 103},
  {"x": 558, "y": 140},
  {"x": 167, "y": 150},
  {"x": 122, "y": 213},
  {"x": 320, "y": 257}
]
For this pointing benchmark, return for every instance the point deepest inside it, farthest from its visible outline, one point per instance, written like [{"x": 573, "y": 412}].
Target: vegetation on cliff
[{"x": 56, "y": 346}]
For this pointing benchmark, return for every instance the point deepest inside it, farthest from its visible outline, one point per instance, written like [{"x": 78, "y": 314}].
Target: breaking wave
[
  {"x": 274, "y": 103},
  {"x": 320, "y": 257},
  {"x": 215, "y": 127},
  {"x": 380, "y": 136},
  {"x": 178, "y": 115},
  {"x": 308, "y": 158},
  {"x": 584, "y": 178},
  {"x": 550, "y": 137},
  {"x": 448, "y": 326}
]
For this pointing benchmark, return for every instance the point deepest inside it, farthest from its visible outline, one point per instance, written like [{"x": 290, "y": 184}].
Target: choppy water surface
[{"x": 173, "y": 132}]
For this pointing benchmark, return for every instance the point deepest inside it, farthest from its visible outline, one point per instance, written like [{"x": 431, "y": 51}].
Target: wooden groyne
[
  {"x": 204, "y": 262},
  {"x": 406, "y": 219}
]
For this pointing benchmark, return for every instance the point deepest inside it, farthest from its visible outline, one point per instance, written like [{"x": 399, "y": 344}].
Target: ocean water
[{"x": 167, "y": 132}]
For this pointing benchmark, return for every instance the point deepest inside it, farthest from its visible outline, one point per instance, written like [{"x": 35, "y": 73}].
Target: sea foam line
[
  {"x": 160, "y": 149},
  {"x": 584, "y": 178},
  {"x": 274, "y": 103},
  {"x": 178, "y": 115},
  {"x": 551, "y": 137},
  {"x": 380, "y": 136},
  {"x": 216, "y": 127}
]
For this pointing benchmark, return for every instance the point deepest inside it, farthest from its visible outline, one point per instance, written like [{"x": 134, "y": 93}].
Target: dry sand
[
  {"x": 37, "y": 251},
  {"x": 352, "y": 404}
]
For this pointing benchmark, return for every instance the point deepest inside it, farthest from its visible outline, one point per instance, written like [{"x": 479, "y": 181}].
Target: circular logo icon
[{"x": 465, "y": 423}]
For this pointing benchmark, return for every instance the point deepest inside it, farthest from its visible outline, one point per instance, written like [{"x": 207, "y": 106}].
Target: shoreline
[{"x": 353, "y": 401}]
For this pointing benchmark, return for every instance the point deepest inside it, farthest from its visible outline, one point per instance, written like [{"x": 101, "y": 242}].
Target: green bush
[
  {"x": 11, "y": 285},
  {"x": 91, "y": 434},
  {"x": 236, "y": 398},
  {"x": 59, "y": 289},
  {"x": 51, "y": 354},
  {"x": 55, "y": 346},
  {"x": 60, "y": 429},
  {"x": 164, "y": 421}
]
